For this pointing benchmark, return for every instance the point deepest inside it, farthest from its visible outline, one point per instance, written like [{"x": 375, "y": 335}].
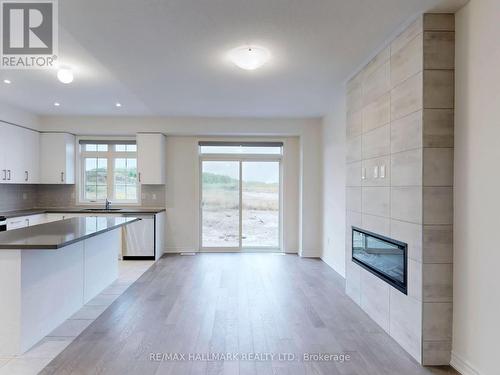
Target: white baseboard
[{"x": 462, "y": 366}]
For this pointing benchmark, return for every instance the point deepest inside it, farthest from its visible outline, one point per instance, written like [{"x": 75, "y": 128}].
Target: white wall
[
  {"x": 183, "y": 193},
  {"x": 14, "y": 115},
  {"x": 305, "y": 237},
  {"x": 476, "y": 293},
  {"x": 333, "y": 160}
]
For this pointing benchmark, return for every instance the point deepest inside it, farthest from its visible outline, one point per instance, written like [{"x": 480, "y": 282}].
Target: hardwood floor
[{"x": 235, "y": 303}]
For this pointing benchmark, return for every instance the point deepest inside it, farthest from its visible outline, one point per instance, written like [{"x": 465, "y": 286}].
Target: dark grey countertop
[
  {"x": 60, "y": 233},
  {"x": 81, "y": 210}
]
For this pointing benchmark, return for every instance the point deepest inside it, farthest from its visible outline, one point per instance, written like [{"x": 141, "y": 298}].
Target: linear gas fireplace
[{"x": 384, "y": 257}]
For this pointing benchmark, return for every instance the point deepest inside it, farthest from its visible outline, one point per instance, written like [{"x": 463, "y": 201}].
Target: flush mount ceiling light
[
  {"x": 65, "y": 75},
  {"x": 118, "y": 105},
  {"x": 57, "y": 104},
  {"x": 249, "y": 57},
  {"x": 7, "y": 81}
]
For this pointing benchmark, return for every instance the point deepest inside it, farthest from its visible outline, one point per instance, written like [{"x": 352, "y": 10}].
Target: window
[
  {"x": 108, "y": 171},
  {"x": 248, "y": 148}
]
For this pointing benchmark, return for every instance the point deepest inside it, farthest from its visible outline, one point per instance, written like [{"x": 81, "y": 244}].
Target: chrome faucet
[{"x": 107, "y": 205}]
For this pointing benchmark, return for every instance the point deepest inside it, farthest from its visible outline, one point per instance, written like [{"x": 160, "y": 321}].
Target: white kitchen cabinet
[
  {"x": 19, "y": 155},
  {"x": 57, "y": 158},
  {"x": 17, "y": 222},
  {"x": 151, "y": 155}
]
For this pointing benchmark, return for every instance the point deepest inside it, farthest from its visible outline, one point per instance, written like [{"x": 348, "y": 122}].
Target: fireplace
[{"x": 384, "y": 257}]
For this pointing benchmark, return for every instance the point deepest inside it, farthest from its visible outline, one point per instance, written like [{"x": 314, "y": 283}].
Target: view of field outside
[{"x": 220, "y": 201}]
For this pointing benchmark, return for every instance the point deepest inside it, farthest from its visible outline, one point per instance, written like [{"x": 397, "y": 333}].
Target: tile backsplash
[{"x": 18, "y": 197}]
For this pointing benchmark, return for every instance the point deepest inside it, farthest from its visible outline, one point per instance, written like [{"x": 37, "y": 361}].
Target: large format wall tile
[
  {"x": 406, "y": 168},
  {"x": 353, "y": 199},
  {"x": 376, "y": 224},
  {"x": 437, "y": 322},
  {"x": 406, "y": 133},
  {"x": 354, "y": 97},
  {"x": 436, "y": 353},
  {"x": 438, "y": 167},
  {"x": 406, "y": 322},
  {"x": 406, "y": 98},
  {"x": 376, "y": 142},
  {"x": 377, "y": 113},
  {"x": 379, "y": 60},
  {"x": 406, "y": 204},
  {"x": 411, "y": 234},
  {"x": 439, "y": 89},
  {"x": 438, "y": 205},
  {"x": 407, "y": 61},
  {"x": 373, "y": 171},
  {"x": 439, "y": 50},
  {"x": 353, "y": 152},
  {"x": 437, "y": 282},
  {"x": 354, "y": 124},
  {"x": 375, "y": 297},
  {"x": 414, "y": 279},
  {"x": 407, "y": 35},
  {"x": 376, "y": 201},
  {"x": 439, "y": 22},
  {"x": 353, "y": 174},
  {"x": 437, "y": 244},
  {"x": 438, "y": 128},
  {"x": 376, "y": 83},
  {"x": 353, "y": 280}
]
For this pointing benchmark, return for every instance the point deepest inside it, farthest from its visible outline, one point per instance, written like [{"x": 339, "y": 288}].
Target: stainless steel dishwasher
[{"x": 139, "y": 239}]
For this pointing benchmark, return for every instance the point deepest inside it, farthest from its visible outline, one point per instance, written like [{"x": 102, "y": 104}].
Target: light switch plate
[
  {"x": 375, "y": 171},
  {"x": 382, "y": 171},
  {"x": 363, "y": 173}
]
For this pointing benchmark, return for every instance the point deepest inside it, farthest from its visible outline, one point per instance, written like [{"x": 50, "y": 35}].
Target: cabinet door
[
  {"x": 13, "y": 149},
  {"x": 57, "y": 158},
  {"x": 3, "y": 143},
  {"x": 31, "y": 155},
  {"x": 151, "y": 158}
]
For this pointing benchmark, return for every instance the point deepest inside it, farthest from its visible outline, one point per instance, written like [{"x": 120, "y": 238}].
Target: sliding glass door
[
  {"x": 220, "y": 204},
  {"x": 260, "y": 204},
  {"x": 240, "y": 204}
]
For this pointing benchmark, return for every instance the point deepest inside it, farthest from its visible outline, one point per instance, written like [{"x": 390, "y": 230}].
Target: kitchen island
[{"x": 49, "y": 271}]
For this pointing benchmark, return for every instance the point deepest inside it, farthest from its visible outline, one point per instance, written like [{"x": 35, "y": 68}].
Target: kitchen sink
[{"x": 103, "y": 209}]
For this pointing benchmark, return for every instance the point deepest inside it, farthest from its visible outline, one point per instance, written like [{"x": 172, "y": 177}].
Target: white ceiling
[{"x": 167, "y": 58}]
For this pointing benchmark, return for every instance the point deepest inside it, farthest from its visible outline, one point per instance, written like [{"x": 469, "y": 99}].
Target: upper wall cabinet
[
  {"x": 19, "y": 155},
  {"x": 57, "y": 158},
  {"x": 151, "y": 148}
]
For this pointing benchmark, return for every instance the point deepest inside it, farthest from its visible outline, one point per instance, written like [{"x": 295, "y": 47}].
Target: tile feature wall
[{"x": 400, "y": 182}]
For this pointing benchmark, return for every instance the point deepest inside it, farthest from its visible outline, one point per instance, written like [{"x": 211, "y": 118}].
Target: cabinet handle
[
  {"x": 4, "y": 174},
  {"x": 62, "y": 176},
  {"x": 28, "y": 222},
  {"x": 26, "y": 177},
  {"x": 9, "y": 176}
]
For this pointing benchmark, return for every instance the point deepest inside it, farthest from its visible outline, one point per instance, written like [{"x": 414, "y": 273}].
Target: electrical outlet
[
  {"x": 153, "y": 196},
  {"x": 25, "y": 196}
]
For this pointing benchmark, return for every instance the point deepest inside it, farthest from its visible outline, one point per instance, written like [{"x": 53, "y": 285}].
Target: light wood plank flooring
[{"x": 235, "y": 303}]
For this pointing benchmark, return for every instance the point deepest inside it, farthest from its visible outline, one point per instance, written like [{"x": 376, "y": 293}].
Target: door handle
[
  {"x": 62, "y": 176},
  {"x": 26, "y": 177},
  {"x": 9, "y": 175}
]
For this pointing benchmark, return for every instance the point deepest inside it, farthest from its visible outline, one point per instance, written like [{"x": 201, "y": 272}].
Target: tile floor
[{"x": 31, "y": 362}]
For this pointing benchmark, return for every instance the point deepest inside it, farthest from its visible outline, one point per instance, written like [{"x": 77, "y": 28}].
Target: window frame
[{"x": 111, "y": 155}]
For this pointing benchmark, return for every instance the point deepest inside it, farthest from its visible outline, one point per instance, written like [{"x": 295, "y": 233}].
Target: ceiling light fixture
[
  {"x": 65, "y": 75},
  {"x": 249, "y": 57},
  {"x": 7, "y": 81},
  {"x": 57, "y": 104},
  {"x": 118, "y": 105}
]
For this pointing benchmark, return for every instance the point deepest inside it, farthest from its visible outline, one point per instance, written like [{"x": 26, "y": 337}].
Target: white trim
[{"x": 463, "y": 366}]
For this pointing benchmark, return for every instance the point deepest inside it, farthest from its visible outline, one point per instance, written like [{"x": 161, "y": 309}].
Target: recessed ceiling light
[
  {"x": 57, "y": 104},
  {"x": 118, "y": 105},
  {"x": 249, "y": 57},
  {"x": 7, "y": 81},
  {"x": 65, "y": 75}
]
